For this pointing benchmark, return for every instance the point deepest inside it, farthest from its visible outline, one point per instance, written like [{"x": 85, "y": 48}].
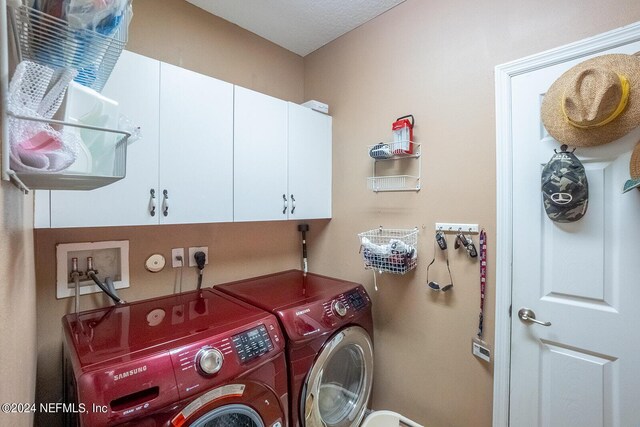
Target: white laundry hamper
[{"x": 387, "y": 419}]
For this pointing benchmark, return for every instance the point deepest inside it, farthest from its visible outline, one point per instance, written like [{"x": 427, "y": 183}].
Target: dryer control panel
[{"x": 252, "y": 343}]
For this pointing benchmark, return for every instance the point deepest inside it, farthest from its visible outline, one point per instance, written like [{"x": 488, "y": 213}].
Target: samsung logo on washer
[
  {"x": 301, "y": 312},
  {"x": 130, "y": 373}
]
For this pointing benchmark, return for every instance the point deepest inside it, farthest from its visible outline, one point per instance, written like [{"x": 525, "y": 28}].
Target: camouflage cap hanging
[{"x": 565, "y": 190}]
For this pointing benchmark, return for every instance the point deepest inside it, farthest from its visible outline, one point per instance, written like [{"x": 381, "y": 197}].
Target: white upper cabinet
[
  {"x": 134, "y": 83},
  {"x": 309, "y": 163},
  {"x": 180, "y": 171},
  {"x": 196, "y": 147},
  {"x": 209, "y": 152},
  {"x": 282, "y": 159},
  {"x": 260, "y": 157}
]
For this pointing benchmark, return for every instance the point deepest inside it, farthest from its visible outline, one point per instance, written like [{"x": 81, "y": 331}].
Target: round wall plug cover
[{"x": 155, "y": 263}]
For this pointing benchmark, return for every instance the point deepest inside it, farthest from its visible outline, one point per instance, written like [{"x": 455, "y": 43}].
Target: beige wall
[
  {"x": 434, "y": 59},
  {"x": 17, "y": 303},
  {"x": 179, "y": 33}
]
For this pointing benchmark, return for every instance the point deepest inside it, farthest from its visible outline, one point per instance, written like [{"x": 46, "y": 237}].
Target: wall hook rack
[{"x": 447, "y": 227}]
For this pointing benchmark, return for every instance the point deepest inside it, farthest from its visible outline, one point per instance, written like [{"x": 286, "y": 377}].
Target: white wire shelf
[
  {"x": 389, "y": 151},
  {"x": 394, "y": 183},
  {"x": 389, "y": 250},
  {"x": 115, "y": 168},
  {"x": 50, "y": 41},
  {"x": 394, "y": 150}
]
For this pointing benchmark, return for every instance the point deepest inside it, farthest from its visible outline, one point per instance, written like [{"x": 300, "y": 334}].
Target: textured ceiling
[{"x": 300, "y": 26}]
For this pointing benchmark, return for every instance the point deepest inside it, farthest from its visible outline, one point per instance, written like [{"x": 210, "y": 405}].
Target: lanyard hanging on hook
[{"x": 483, "y": 278}]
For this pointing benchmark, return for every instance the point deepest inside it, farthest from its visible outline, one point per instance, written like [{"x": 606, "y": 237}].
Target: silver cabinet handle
[
  {"x": 293, "y": 204},
  {"x": 286, "y": 204},
  {"x": 152, "y": 203},
  {"x": 165, "y": 204},
  {"x": 527, "y": 315}
]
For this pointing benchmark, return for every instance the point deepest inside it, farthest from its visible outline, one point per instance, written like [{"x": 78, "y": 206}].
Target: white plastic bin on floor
[{"x": 387, "y": 419}]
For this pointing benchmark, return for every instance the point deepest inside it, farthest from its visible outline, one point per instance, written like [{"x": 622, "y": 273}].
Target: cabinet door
[
  {"x": 196, "y": 147},
  {"x": 309, "y": 163},
  {"x": 260, "y": 157},
  {"x": 135, "y": 84}
]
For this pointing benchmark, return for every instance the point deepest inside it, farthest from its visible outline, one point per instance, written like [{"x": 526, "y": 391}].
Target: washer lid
[
  {"x": 288, "y": 289},
  {"x": 157, "y": 324},
  {"x": 338, "y": 386}
]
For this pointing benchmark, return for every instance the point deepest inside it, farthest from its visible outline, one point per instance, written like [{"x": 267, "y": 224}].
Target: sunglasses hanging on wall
[{"x": 441, "y": 242}]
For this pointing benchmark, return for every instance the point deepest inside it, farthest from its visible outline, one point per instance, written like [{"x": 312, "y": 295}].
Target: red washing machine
[
  {"x": 329, "y": 330},
  {"x": 193, "y": 359}
]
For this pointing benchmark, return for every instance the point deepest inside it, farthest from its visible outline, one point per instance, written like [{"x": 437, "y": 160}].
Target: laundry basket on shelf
[{"x": 387, "y": 419}]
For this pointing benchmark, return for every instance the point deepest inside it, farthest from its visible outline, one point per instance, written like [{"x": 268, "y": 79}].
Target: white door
[
  {"x": 583, "y": 277},
  {"x": 260, "y": 157},
  {"x": 196, "y": 147},
  {"x": 309, "y": 163},
  {"x": 135, "y": 84}
]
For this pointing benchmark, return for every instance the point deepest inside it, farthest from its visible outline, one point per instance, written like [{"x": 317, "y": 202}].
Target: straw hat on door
[{"x": 595, "y": 102}]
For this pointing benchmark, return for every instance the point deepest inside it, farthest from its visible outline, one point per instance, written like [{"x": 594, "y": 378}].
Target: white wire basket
[
  {"x": 393, "y": 183},
  {"x": 393, "y": 150},
  {"x": 112, "y": 170},
  {"x": 51, "y": 41},
  {"x": 389, "y": 250}
]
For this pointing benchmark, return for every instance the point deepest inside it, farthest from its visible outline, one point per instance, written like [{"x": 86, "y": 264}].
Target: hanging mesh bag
[{"x": 37, "y": 91}]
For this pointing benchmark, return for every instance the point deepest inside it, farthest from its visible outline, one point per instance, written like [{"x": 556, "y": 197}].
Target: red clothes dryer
[
  {"x": 193, "y": 359},
  {"x": 329, "y": 330}
]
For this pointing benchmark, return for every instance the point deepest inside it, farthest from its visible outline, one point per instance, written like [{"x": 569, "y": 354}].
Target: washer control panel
[
  {"x": 211, "y": 361},
  {"x": 252, "y": 343}
]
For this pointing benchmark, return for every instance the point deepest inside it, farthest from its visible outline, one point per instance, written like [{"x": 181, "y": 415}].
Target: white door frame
[{"x": 504, "y": 157}]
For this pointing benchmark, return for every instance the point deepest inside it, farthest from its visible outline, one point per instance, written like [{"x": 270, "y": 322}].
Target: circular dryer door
[
  {"x": 229, "y": 416},
  {"x": 339, "y": 383}
]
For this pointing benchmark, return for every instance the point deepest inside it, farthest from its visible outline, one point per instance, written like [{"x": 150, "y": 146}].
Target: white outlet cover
[
  {"x": 192, "y": 251},
  {"x": 174, "y": 253},
  {"x": 64, "y": 252}
]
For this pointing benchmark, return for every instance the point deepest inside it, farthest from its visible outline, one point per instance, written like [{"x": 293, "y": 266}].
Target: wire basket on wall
[
  {"x": 50, "y": 41},
  {"x": 389, "y": 250}
]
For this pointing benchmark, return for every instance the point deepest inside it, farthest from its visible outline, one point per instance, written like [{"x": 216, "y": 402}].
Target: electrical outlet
[
  {"x": 175, "y": 253},
  {"x": 192, "y": 251}
]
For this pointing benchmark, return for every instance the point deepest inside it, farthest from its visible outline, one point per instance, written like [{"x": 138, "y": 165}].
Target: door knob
[{"x": 527, "y": 315}]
